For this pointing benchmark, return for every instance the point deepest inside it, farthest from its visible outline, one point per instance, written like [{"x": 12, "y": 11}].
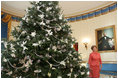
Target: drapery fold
[{"x": 7, "y": 18}]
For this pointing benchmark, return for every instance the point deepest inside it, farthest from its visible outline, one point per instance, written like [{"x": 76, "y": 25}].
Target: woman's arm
[
  {"x": 89, "y": 62},
  {"x": 101, "y": 66},
  {"x": 100, "y": 62}
]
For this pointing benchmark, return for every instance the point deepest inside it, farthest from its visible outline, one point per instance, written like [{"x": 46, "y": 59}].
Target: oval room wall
[{"x": 86, "y": 29}]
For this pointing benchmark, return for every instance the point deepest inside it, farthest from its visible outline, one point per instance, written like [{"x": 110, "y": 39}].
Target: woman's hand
[{"x": 101, "y": 67}]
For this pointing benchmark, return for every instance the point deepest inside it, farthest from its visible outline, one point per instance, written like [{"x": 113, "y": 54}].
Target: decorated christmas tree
[{"x": 42, "y": 46}]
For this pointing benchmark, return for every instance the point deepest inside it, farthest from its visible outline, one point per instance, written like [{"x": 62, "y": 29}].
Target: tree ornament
[
  {"x": 69, "y": 74},
  {"x": 13, "y": 55},
  {"x": 37, "y": 71},
  {"x": 75, "y": 75},
  {"x": 47, "y": 21},
  {"x": 50, "y": 65},
  {"x": 34, "y": 24},
  {"x": 35, "y": 44},
  {"x": 5, "y": 44},
  {"x": 41, "y": 16},
  {"x": 60, "y": 17},
  {"x": 82, "y": 73},
  {"x": 59, "y": 77},
  {"x": 33, "y": 34},
  {"x": 39, "y": 42},
  {"x": 49, "y": 74},
  {"x": 38, "y": 61},
  {"x": 49, "y": 32},
  {"x": 71, "y": 70},
  {"x": 23, "y": 32},
  {"x": 4, "y": 59},
  {"x": 54, "y": 48},
  {"x": 53, "y": 68},
  {"x": 62, "y": 63},
  {"x": 38, "y": 7},
  {"x": 49, "y": 8},
  {"x": 42, "y": 23},
  {"x": 9, "y": 73}
]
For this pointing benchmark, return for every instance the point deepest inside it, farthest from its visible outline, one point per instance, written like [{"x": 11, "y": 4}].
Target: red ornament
[{"x": 75, "y": 46}]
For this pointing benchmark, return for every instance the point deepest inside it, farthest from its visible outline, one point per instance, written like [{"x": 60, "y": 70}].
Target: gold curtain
[{"x": 7, "y": 19}]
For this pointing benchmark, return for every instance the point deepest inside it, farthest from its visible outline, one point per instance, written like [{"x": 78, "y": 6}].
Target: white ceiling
[{"x": 69, "y": 8}]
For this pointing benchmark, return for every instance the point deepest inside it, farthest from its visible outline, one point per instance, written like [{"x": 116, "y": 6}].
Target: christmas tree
[{"x": 42, "y": 46}]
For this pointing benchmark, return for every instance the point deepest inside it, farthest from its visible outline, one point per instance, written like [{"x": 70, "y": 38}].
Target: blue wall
[
  {"x": 3, "y": 32},
  {"x": 109, "y": 69}
]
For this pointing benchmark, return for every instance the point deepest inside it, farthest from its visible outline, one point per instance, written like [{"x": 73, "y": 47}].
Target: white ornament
[
  {"x": 23, "y": 18},
  {"x": 53, "y": 68},
  {"x": 75, "y": 75},
  {"x": 58, "y": 29},
  {"x": 9, "y": 73},
  {"x": 48, "y": 48},
  {"x": 75, "y": 59},
  {"x": 33, "y": 34},
  {"x": 34, "y": 24},
  {"x": 49, "y": 74},
  {"x": 54, "y": 48},
  {"x": 71, "y": 69},
  {"x": 66, "y": 40},
  {"x": 39, "y": 42},
  {"x": 37, "y": 2},
  {"x": 23, "y": 32},
  {"x": 4, "y": 59},
  {"x": 62, "y": 63},
  {"x": 41, "y": 16},
  {"x": 27, "y": 20},
  {"x": 24, "y": 42},
  {"x": 37, "y": 71},
  {"x": 88, "y": 73},
  {"x": 21, "y": 23},
  {"x": 69, "y": 74},
  {"x": 28, "y": 63},
  {"x": 13, "y": 55},
  {"x": 47, "y": 21},
  {"x": 70, "y": 54},
  {"x": 11, "y": 46},
  {"x": 42, "y": 23},
  {"x": 49, "y": 8},
  {"x": 38, "y": 7},
  {"x": 31, "y": 16},
  {"x": 64, "y": 50},
  {"x": 57, "y": 7},
  {"x": 39, "y": 61},
  {"x": 50, "y": 65},
  {"x": 82, "y": 73},
  {"x": 35, "y": 44},
  {"x": 24, "y": 48},
  {"x": 49, "y": 32},
  {"x": 47, "y": 55},
  {"x": 71, "y": 45},
  {"x": 59, "y": 77},
  {"x": 28, "y": 37},
  {"x": 48, "y": 39},
  {"x": 60, "y": 17},
  {"x": 5, "y": 44}
]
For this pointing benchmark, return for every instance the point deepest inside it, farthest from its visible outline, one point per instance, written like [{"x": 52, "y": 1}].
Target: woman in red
[{"x": 94, "y": 63}]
